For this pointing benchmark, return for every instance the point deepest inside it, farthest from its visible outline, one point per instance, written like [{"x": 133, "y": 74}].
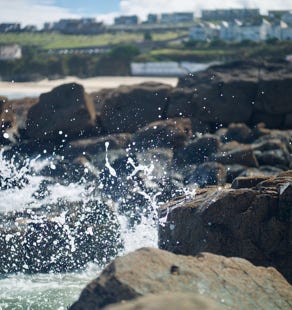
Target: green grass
[
  {"x": 48, "y": 41},
  {"x": 229, "y": 51}
]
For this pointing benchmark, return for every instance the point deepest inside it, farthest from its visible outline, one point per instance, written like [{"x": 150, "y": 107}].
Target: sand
[{"x": 17, "y": 89}]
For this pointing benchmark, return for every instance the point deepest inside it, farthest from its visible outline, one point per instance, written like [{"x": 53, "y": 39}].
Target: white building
[
  {"x": 177, "y": 17},
  {"x": 204, "y": 31},
  {"x": 168, "y": 68},
  {"x": 276, "y": 30},
  {"x": 287, "y": 33},
  {"x": 256, "y": 31},
  {"x": 10, "y": 52},
  {"x": 230, "y": 31}
]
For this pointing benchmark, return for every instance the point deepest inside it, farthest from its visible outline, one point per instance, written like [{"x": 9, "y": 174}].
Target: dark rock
[
  {"x": 170, "y": 133},
  {"x": 269, "y": 119},
  {"x": 238, "y": 132},
  {"x": 198, "y": 126},
  {"x": 233, "y": 171},
  {"x": 66, "y": 111},
  {"x": 288, "y": 121},
  {"x": 274, "y": 158},
  {"x": 248, "y": 92},
  {"x": 242, "y": 156},
  {"x": 227, "y": 281},
  {"x": 209, "y": 173},
  {"x": 274, "y": 95},
  {"x": 197, "y": 151},
  {"x": 246, "y": 223},
  {"x": 99, "y": 97},
  {"x": 181, "y": 103},
  {"x": 129, "y": 108}
]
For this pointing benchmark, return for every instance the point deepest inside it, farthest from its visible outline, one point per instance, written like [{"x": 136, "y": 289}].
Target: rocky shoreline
[{"x": 219, "y": 144}]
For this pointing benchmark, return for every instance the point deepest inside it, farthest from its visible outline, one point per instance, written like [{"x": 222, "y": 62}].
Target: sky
[{"x": 36, "y": 12}]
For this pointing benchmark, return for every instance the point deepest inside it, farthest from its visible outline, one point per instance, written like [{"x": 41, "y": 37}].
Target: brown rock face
[
  {"x": 252, "y": 223},
  {"x": 231, "y": 283},
  {"x": 129, "y": 108},
  {"x": 66, "y": 108},
  {"x": 170, "y": 301}
]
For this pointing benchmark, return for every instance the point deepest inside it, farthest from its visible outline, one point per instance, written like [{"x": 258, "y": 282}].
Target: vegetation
[
  {"x": 47, "y": 41},
  {"x": 38, "y": 62}
]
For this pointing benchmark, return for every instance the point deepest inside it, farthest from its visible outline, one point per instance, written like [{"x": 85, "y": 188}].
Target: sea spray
[{"x": 137, "y": 224}]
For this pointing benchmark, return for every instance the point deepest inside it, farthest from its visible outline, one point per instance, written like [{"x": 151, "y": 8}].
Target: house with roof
[
  {"x": 204, "y": 31},
  {"x": 230, "y": 31},
  {"x": 255, "y": 31},
  {"x": 10, "y": 52},
  {"x": 276, "y": 29},
  {"x": 287, "y": 33}
]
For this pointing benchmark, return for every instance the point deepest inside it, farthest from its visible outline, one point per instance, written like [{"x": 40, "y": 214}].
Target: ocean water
[{"x": 59, "y": 290}]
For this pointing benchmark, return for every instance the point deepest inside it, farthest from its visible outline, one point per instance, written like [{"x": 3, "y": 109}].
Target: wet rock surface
[
  {"x": 66, "y": 109},
  {"x": 204, "y": 148},
  {"x": 171, "y": 301},
  {"x": 248, "y": 222},
  {"x": 227, "y": 282}
]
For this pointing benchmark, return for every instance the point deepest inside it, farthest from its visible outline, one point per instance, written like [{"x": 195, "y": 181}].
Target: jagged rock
[
  {"x": 229, "y": 282},
  {"x": 247, "y": 182},
  {"x": 170, "y": 133},
  {"x": 129, "y": 108},
  {"x": 170, "y": 301},
  {"x": 247, "y": 223},
  {"x": 66, "y": 111}
]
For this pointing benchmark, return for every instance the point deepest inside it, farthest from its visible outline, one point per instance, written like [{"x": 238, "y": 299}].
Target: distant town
[{"x": 225, "y": 24}]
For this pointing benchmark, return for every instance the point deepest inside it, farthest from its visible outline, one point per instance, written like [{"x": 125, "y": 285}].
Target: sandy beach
[{"x": 18, "y": 89}]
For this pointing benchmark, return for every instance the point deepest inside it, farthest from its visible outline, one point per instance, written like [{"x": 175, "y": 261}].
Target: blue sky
[
  {"x": 89, "y": 7},
  {"x": 36, "y": 12}
]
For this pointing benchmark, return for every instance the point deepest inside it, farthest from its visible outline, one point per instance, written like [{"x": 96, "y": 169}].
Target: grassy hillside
[{"x": 48, "y": 41}]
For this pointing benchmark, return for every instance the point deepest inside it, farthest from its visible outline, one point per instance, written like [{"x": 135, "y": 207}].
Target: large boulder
[
  {"x": 65, "y": 112},
  {"x": 129, "y": 108},
  {"x": 228, "y": 282},
  {"x": 249, "y": 92},
  {"x": 252, "y": 223},
  {"x": 170, "y": 301}
]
